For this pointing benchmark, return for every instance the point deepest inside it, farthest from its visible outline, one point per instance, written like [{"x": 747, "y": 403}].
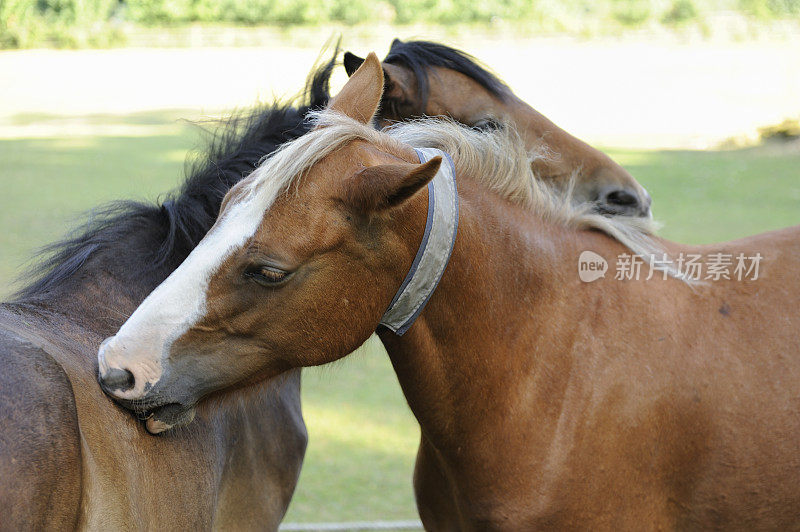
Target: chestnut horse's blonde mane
[{"x": 498, "y": 158}]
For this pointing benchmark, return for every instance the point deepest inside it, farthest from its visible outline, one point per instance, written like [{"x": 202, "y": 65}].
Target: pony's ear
[
  {"x": 397, "y": 80},
  {"x": 398, "y": 83},
  {"x": 384, "y": 186},
  {"x": 351, "y": 63},
  {"x": 361, "y": 95}
]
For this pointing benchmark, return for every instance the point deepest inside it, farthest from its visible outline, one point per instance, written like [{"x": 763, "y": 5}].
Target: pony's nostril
[
  {"x": 118, "y": 379},
  {"x": 622, "y": 197}
]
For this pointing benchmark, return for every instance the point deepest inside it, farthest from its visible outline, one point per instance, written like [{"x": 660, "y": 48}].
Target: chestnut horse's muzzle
[
  {"x": 145, "y": 399},
  {"x": 152, "y": 408}
]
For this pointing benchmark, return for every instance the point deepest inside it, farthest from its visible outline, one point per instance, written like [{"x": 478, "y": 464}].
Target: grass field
[{"x": 362, "y": 436}]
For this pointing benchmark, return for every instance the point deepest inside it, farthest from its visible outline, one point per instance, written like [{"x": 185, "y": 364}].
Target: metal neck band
[{"x": 434, "y": 251}]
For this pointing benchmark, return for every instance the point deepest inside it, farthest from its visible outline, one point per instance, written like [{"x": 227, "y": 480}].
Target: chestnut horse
[
  {"x": 544, "y": 401},
  {"x": 426, "y": 78},
  {"x": 69, "y": 456}
]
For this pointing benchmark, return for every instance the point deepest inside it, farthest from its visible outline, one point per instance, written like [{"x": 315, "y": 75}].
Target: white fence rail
[{"x": 355, "y": 526}]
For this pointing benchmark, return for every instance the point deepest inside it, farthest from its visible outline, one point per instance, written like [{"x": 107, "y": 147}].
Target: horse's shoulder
[{"x": 40, "y": 450}]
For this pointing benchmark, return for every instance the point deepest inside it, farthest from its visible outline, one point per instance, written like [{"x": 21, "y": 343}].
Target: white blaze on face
[{"x": 143, "y": 342}]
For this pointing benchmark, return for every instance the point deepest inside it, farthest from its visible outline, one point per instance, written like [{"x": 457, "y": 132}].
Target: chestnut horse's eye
[{"x": 266, "y": 275}]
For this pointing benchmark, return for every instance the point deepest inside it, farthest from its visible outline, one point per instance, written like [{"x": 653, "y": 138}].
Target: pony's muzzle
[{"x": 624, "y": 201}]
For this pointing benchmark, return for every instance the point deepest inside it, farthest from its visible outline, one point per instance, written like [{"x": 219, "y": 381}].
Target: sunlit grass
[
  {"x": 363, "y": 441},
  {"x": 709, "y": 196},
  {"x": 48, "y": 183}
]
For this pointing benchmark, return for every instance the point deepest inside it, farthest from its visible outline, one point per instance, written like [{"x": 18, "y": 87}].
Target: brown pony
[
  {"x": 544, "y": 401},
  {"x": 426, "y": 78},
  {"x": 69, "y": 456}
]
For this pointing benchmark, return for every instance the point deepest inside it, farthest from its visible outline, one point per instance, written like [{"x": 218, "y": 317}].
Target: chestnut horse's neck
[
  {"x": 538, "y": 395},
  {"x": 506, "y": 278}
]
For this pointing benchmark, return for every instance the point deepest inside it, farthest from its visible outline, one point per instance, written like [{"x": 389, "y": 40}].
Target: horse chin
[{"x": 168, "y": 417}]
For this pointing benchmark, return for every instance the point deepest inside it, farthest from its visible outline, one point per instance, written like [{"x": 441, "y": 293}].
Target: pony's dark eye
[
  {"x": 487, "y": 124},
  {"x": 266, "y": 275}
]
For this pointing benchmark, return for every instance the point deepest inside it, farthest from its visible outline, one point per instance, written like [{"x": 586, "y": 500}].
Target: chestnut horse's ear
[
  {"x": 384, "y": 186},
  {"x": 351, "y": 63},
  {"x": 361, "y": 95}
]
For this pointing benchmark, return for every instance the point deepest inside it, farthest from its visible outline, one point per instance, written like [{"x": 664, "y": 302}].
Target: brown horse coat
[
  {"x": 72, "y": 458},
  {"x": 543, "y": 401}
]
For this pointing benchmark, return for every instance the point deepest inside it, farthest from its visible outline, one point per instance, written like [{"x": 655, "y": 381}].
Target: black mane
[
  {"x": 419, "y": 55},
  {"x": 137, "y": 238}
]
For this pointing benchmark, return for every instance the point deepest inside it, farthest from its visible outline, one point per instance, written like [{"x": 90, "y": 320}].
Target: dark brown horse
[
  {"x": 544, "y": 401},
  {"x": 70, "y": 457},
  {"x": 426, "y": 78}
]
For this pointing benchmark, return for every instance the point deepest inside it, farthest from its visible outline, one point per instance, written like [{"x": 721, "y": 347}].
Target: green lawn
[
  {"x": 709, "y": 196},
  {"x": 362, "y": 436}
]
